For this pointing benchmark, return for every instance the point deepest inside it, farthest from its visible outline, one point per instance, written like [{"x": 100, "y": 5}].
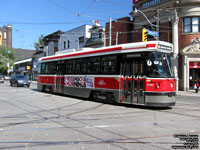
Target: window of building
[
  {"x": 64, "y": 45},
  {"x": 81, "y": 39},
  {"x": 191, "y": 24},
  {"x": 5, "y": 35},
  {"x": 68, "y": 44}
]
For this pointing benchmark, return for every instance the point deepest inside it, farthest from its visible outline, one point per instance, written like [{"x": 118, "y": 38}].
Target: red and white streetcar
[{"x": 135, "y": 73}]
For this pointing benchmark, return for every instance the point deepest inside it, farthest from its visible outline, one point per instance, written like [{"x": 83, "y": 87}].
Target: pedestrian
[{"x": 197, "y": 86}]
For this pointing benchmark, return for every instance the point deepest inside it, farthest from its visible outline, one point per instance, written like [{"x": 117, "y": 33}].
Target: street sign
[{"x": 153, "y": 33}]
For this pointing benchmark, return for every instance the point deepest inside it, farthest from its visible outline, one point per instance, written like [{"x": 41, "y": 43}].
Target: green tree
[
  {"x": 7, "y": 55},
  {"x": 38, "y": 45}
]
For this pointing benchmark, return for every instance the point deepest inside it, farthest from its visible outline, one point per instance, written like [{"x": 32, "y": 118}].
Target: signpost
[{"x": 153, "y": 33}]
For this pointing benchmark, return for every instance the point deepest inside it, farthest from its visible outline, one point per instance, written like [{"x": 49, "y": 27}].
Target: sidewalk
[{"x": 188, "y": 93}]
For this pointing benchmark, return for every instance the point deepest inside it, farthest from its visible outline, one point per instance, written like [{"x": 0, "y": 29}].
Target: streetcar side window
[
  {"x": 43, "y": 68},
  {"x": 109, "y": 64},
  {"x": 93, "y": 65},
  {"x": 39, "y": 68},
  {"x": 51, "y": 68},
  {"x": 84, "y": 66},
  {"x": 78, "y": 66},
  {"x": 70, "y": 66}
]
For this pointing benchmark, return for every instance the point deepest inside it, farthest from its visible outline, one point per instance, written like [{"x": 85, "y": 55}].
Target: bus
[{"x": 135, "y": 73}]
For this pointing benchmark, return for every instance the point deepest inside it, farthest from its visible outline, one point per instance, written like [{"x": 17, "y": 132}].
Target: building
[
  {"x": 6, "y": 36},
  {"x": 178, "y": 22},
  {"x": 121, "y": 31},
  {"x": 97, "y": 38},
  {"x": 75, "y": 38},
  {"x": 51, "y": 43}
]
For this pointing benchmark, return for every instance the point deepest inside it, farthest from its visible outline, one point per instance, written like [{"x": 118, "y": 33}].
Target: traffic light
[{"x": 144, "y": 35}]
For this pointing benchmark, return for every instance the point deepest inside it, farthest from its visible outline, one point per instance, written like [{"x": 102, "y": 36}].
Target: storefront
[
  {"x": 178, "y": 22},
  {"x": 191, "y": 64}
]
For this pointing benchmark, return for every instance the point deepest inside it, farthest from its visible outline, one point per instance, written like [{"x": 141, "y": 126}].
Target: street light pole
[{"x": 136, "y": 10}]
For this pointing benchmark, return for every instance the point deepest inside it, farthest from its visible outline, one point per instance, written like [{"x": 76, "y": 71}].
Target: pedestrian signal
[{"x": 144, "y": 35}]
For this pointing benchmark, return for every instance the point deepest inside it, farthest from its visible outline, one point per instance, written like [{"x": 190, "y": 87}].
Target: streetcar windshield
[{"x": 160, "y": 65}]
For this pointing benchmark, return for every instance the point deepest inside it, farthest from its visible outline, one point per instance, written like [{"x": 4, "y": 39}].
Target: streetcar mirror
[{"x": 149, "y": 63}]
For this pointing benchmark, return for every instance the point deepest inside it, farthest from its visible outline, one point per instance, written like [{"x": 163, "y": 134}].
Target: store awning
[{"x": 194, "y": 64}]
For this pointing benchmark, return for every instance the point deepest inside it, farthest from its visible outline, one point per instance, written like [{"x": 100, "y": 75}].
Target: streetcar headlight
[{"x": 171, "y": 84}]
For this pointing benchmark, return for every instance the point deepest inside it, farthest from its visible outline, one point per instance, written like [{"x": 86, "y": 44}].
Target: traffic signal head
[{"x": 144, "y": 35}]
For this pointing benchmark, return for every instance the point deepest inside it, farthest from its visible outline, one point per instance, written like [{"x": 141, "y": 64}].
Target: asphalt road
[{"x": 31, "y": 120}]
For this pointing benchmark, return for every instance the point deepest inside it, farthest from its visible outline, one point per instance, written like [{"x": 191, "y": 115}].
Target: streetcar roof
[{"x": 160, "y": 46}]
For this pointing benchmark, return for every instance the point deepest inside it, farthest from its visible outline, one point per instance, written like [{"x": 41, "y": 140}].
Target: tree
[
  {"x": 40, "y": 44},
  {"x": 7, "y": 56}
]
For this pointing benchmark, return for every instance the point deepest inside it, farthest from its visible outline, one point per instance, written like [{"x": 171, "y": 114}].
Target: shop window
[{"x": 191, "y": 24}]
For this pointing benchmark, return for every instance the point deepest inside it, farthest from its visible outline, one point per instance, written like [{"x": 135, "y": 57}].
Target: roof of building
[{"x": 21, "y": 54}]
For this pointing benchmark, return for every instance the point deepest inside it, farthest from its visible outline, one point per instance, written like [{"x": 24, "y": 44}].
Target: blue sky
[{"x": 31, "y": 18}]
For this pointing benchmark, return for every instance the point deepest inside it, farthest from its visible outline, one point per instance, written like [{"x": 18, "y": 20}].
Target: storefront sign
[{"x": 194, "y": 64}]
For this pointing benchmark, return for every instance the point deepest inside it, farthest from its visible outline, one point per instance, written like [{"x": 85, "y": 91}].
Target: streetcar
[{"x": 135, "y": 73}]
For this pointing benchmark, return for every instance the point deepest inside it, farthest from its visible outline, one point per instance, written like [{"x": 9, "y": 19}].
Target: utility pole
[
  {"x": 117, "y": 34},
  {"x": 110, "y": 32},
  {"x": 176, "y": 45}
]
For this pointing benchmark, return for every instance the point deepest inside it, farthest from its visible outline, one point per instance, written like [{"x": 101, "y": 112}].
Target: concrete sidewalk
[{"x": 188, "y": 93}]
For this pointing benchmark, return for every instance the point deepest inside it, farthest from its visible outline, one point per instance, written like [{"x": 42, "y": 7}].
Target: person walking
[{"x": 197, "y": 86}]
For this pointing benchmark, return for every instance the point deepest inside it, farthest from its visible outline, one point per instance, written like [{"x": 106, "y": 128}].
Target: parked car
[
  {"x": 19, "y": 80},
  {"x": 7, "y": 77},
  {"x": 1, "y": 78}
]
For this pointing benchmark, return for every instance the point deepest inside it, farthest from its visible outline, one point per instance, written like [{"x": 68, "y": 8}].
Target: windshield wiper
[
  {"x": 161, "y": 74},
  {"x": 168, "y": 64}
]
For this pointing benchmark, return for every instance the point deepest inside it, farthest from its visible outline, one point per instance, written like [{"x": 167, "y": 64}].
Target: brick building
[
  {"x": 121, "y": 31},
  {"x": 6, "y": 36},
  {"x": 178, "y": 22}
]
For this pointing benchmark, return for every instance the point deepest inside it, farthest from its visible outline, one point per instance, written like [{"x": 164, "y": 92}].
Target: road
[{"x": 31, "y": 120}]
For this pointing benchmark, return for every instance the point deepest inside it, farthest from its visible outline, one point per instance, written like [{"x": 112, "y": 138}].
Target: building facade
[
  {"x": 6, "y": 36},
  {"x": 97, "y": 38},
  {"x": 121, "y": 31},
  {"x": 75, "y": 38},
  {"x": 51, "y": 43},
  {"x": 178, "y": 22}
]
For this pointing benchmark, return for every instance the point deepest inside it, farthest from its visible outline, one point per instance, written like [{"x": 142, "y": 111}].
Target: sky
[{"x": 32, "y": 18}]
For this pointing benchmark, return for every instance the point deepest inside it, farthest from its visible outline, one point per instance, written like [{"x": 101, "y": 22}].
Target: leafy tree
[
  {"x": 7, "y": 55},
  {"x": 40, "y": 43}
]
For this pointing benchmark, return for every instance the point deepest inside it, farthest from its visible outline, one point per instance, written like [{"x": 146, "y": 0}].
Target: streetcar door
[
  {"x": 60, "y": 77},
  {"x": 127, "y": 93},
  {"x": 139, "y": 82}
]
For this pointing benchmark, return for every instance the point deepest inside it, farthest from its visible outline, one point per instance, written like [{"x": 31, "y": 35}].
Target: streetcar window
[
  {"x": 109, "y": 64},
  {"x": 160, "y": 65},
  {"x": 43, "y": 68},
  {"x": 39, "y": 68},
  {"x": 93, "y": 65},
  {"x": 78, "y": 66},
  {"x": 84, "y": 66},
  {"x": 51, "y": 68},
  {"x": 70, "y": 66}
]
